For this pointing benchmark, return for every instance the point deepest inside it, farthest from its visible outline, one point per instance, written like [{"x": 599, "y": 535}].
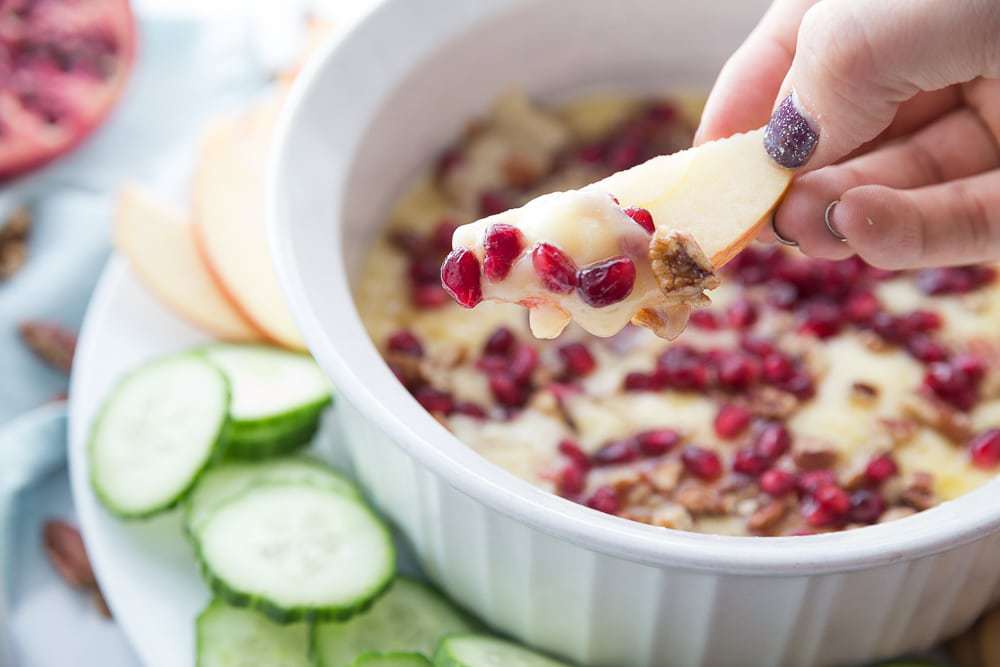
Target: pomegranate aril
[
  {"x": 984, "y": 450},
  {"x": 866, "y": 506},
  {"x": 955, "y": 279},
  {"x": 737, "y": 371},
  {"x": 460, "y": 276},
  {"x": 925, "y": 349},
  {"x": 799, "y": 385},
  {"x": 758, "y": 346},
  {"x": 777, "y": 368},
  {"x": 972, "y": 366},
  {"x": 507, "y": 391},
  {"x": 880, "y": 468},
  {"x": 572, "y": 451},
  {"x": 731, "y": 420},
  {"x": 741, "y": 314},
  {"x": 773, "y": 440},
  {"x": 491, "y": 203},
  {"x": 832, "y": 498},
  {"x": 604, "y": 499},
  {"x": 616, "y": 452},
  {"x": 816, "y": 515},
  {"x": 642, "y": 217},
  {"x": 434, "y": 400},
  {"x": 425, "y": 270},
  {"x": 657, "y": 442},
  {"x": 861, "y": 307},
  {"x": 952, "y": 385},
  {"x": 705, "y": 319},
  {"x": 502, "y": 246},
  {"x": 523, "y": 363},
  {"x": 748, "y": 461},
  {"x": 405, "y": 342},
  {"x": 702, "y": 463},
  {"x": 812, "y": 480},
  {"x": 606, "y": 283},
  {"x": 427, "y": 297},
  {"x": 777, "y": 482},
  {"x": 554, "y": 268},
  {"x": 637, "y": 381},
  {"x": 821, "y": 319},
  {"x": 500, "y": 342},
  {"x": 470, "y": 409},
  {"x": 440, "y": 238},
  {"x": 571, "y": 480},
  {"x": 922, "y": 321},
  {"x": 577, "y": 359},
  {"x": 681, "y": 367}
]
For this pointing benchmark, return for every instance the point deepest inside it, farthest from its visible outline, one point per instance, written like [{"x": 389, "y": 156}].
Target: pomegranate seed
[
  {"x": 405, "y": 342},
  {"x": 777, "y": 482},
  {"x": 782, "y": 296},
  {"x": 615, "y": 452},
  {"x": 880, "y": 468},
  {"x": 985, "y": 449},
  {"x": 866, "y": 506},
  {"x": 816, "y": 515},
  {"x": 571, "y": 480},
  {"x": 731, "y": 420},
  {"x": 440, "y": 238},
  {"x": 972, "y": 366},
  {"x": 811, "y": 480},
  {"x": 604, "y": 499},
  {"x": 777, "y": 367},
  {"x": 658, "y": 442},
  {"x": 773, "y": 440},
  {"x": 555, "y": 269},
  {"x": 434, "y": 400},
  {"x": 702, "y": 463},
  {"x": 577, "y": 359},
  {"x": 757, "y": 346},
  {"x": 922, "y": 321},
  {"x": 502, "y": 246},
  {"x": 706, "y": 319},
  {"x": 491, "y": 203},
  {"x": 642, "y": 217},
  {"x": 470, "y": 409},
  {"x": 738, "y": 371},
  {"x": 500, "y": 342},
  {"x": 925, "y": 349},
  {"x": 954, "y": 280},
  {"x": 506, "y": 391},
  {"x": 833, "y": 498},
  {"x": 682, "y": 367},
  {"x": 624, "y": 155},
  {"x": 523, "y": 363},
  {"x": 799, "y": 385},
  {"x": 572, "y": 451},
  {"x": 460, "y": 276},
  {"x": 636, "y": 381},
  {"x": 427, "y": 297},
  {"x": 741, "y": 314},
  {"x": 425, "y": 270},
  {"x": 608, "y": 282},
  {"x": 822, "y": 319},
  {"x": 861, "y": 307},
  {"x": 749, "y": 461},
  {"x": 447, "y": 161},
  {"x": 591, "y": 154},
  {"x": 951, "y": 384}
]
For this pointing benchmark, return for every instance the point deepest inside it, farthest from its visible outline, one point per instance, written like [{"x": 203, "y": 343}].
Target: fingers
[
  {"x": 954, "y": 147},
  {"x": 743, "y": 94},
  {"x": 946, "y": 224},
  {"x": 857, "y": 61}
]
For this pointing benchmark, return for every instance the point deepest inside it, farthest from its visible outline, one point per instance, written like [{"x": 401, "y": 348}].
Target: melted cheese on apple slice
[{"x": 710, "y": 200}]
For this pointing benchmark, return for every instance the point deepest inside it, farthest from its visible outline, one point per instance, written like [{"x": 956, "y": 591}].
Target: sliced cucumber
[
  {"x": 391, "y": 660},
  {"x": 228, "y": 479},
  {"x": 486, "y": 651},
  {"x": 156, "y": 432},
  {"x": 232, "y": 637},
  {"x": 297, "y": 551},
  {"x": 410, "y": 617},
  {"x": 278, "y": 398}
]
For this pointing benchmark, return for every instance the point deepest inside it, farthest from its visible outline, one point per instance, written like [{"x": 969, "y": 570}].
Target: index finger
[{"x": 744, "y": 93}]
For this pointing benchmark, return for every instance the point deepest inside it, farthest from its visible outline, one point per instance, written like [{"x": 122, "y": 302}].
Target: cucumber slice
[
  {"x": 232, "y": 637},
  {"x": 278, "y": 398},
  {"x": 229, "y": 479},
  {"x": 410, "y": 617},
  {"x": 297, "y": 551},
  {"x": 391, "y": 660},
  {"x": 486, "y": 651},
  {"x": 157, "y": 431}
]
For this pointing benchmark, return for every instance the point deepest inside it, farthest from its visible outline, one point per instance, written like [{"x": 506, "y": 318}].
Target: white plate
[{"x": 145, "y": 568}]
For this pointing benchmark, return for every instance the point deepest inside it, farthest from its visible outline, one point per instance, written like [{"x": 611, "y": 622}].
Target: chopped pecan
[
  {"x": 665, "y": 475},
  {"x": 682, "y": 270},
  {"x": 873, "y": 341},
  {"x": 700, "y": 499},
  {"x": 520, "y": 172},
  {"x": 14, "y": 243},
  {"x": 672, "y": 516},
  {"x": 814, "y": 454},
  {"x": 864, "y": 394},
  {"x": 920, "y": 493},
  {"x": 939, "y": 416},
  {"x": 899, "y": 431},
  {"x": 64, "y": 547},
  {"x": 51, "y": 343},
  {"x": 771, "y": 403},
  {"x": 765, "y": 519}
]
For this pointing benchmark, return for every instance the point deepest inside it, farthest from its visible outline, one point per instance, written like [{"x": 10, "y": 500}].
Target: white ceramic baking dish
[{"x": 375, "y": 108}]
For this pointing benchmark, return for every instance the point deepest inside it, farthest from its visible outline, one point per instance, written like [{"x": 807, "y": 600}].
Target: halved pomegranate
[{"x": 63, "y": 64}]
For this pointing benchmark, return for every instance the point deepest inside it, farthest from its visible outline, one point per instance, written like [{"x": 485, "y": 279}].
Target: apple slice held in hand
[
  {"x": 161, "y": 249},
  {"x": 642, "y": 245}
]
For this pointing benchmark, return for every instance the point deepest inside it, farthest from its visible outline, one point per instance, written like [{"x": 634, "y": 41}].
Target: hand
[{"x": 890, "y": 108}]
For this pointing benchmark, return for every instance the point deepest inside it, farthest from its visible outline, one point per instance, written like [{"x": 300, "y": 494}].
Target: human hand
[{"x": 890, "y": 108}]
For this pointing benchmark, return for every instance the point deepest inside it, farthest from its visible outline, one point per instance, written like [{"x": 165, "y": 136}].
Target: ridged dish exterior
[{"x": 606, "y": 611}]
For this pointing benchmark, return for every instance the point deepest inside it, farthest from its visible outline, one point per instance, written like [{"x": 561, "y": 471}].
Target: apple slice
[
  {"x": 229, "y": 217},
  {"x": 160, "y": 247},
  {"x": 642, "y": 245}
]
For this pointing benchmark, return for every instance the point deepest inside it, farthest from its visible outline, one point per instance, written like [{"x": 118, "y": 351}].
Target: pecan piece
[
  {"x": 765, "y": 519},
  {"x": 64, "y": 547},
  {"x": 664, "y": 476},
  {"x": 698, "y": 499},
  {"x": 682, "y": 270},
  {"x": 814, "y": 454},
  {"x": 14, "y": 243},
  {"x": 864, "y": 394},
  {"x": 771, "y": 403},
  {"x": 939, "y": 416},
  {"x": 51, "y": 343},
  {"x": 899, "y": 431},
  {"x": 920, "y": 493}
]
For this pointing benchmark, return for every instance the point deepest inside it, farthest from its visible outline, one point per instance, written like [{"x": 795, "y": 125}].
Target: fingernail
[{"x": 789, "y": 138}]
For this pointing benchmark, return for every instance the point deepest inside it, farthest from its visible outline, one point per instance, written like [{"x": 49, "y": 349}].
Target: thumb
[{"x": 856, "y": 61}]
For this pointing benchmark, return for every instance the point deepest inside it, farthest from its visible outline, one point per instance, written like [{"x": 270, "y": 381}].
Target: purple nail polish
[{"x": 789, "y": 138}]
